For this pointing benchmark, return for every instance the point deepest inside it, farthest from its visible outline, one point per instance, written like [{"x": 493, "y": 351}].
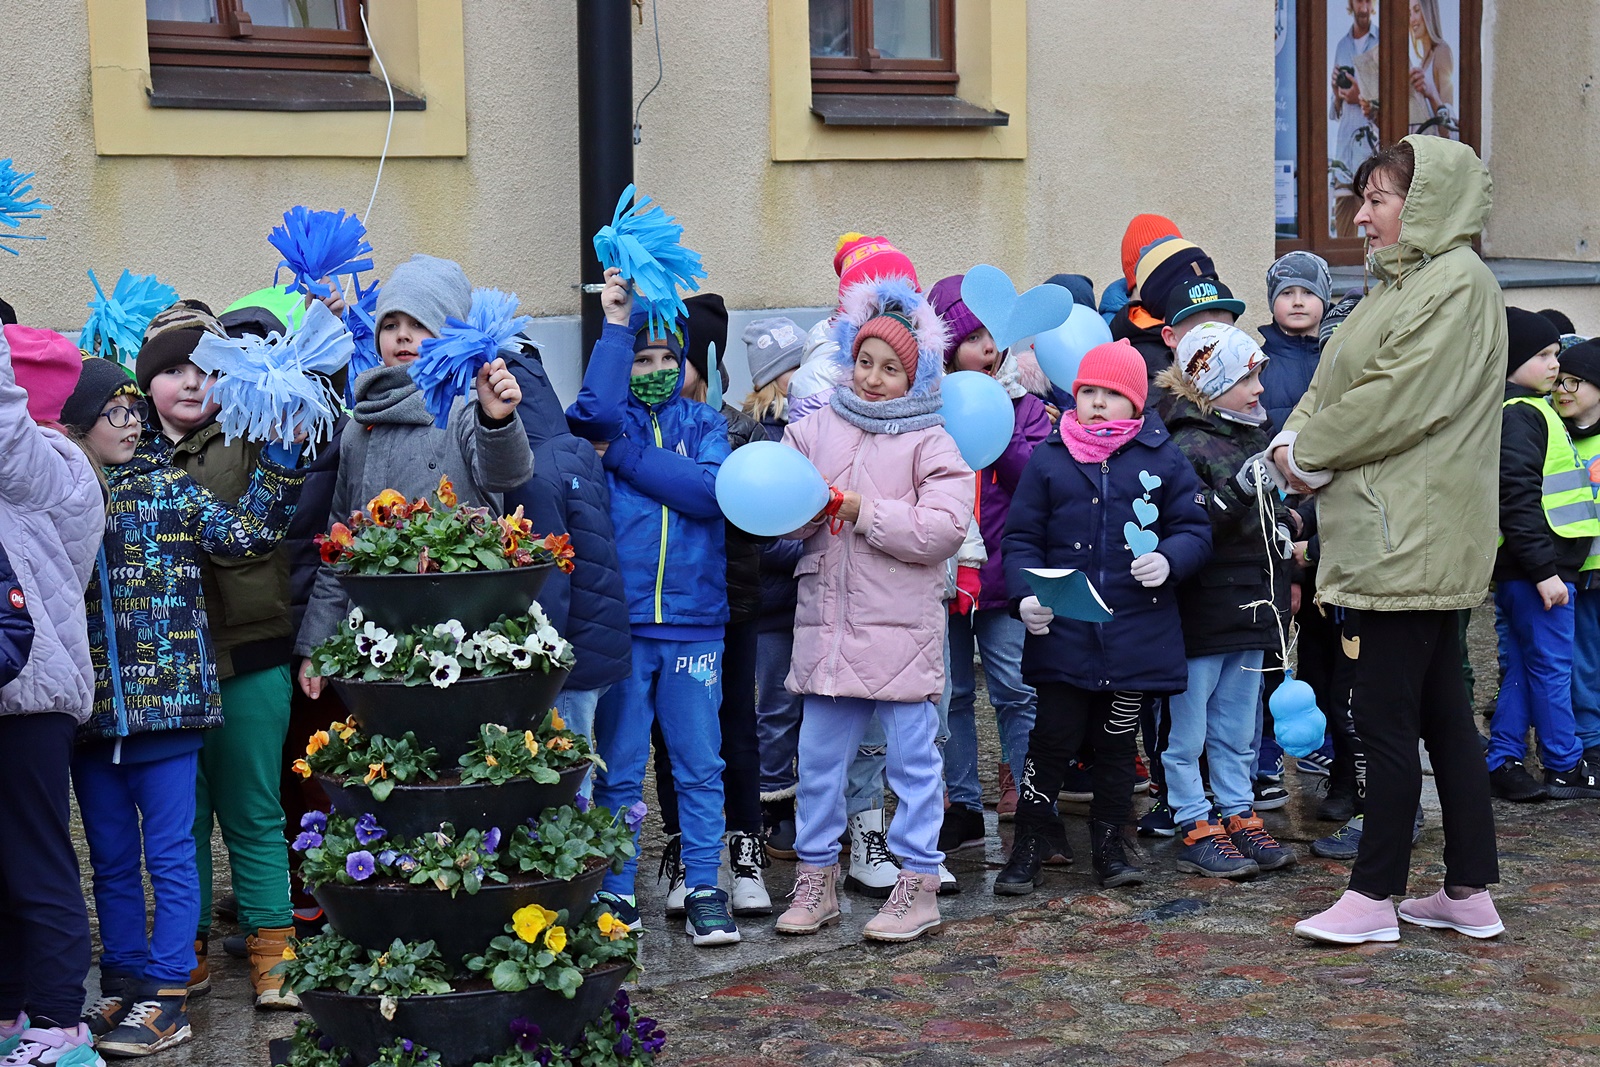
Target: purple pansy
[
  {"x": 315, "y": 821},
  {"x": 359, "y": 865},
  {"x": 306, "y": 839},
  {"x": 634, "y": 816},
  {"x": 368, "y": 831},
  {"x": 491, "y": 840}
]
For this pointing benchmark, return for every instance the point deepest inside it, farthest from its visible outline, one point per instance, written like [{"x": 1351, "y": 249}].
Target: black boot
[
  {"x": 1340, "y": 802},
  {"x": 1111, "y": 866},
  {"x": 777, "y": 818},
  {"x": 1020, "y": 875}
]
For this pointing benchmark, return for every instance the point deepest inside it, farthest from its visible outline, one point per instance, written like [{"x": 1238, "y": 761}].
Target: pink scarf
[{"x": 1096, "y": 445}]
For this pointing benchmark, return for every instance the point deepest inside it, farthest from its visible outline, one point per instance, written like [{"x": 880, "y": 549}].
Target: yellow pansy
[
  {"x": 530, "y": 742},
  {"x": 530, "y": 921},
  {"x": 345, "y": 730},
  {"x": 558, "y": 744},
  {"x": 613, "y": 928},
  {"x": 317, "y": 742},
  {"x": 302, "y": 768},
  {"x": 556, "y": 721},
  {"x": 374, "y": 772},
  {"x": 490, "y": 760},
  {"x": 288, "y": 952},
  {"x": 556, "y": 938}
]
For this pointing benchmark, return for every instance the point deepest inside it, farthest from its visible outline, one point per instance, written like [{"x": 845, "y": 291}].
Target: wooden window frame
[
  {"x": 1311, "y": 109},
  {"x": 867, "y": 72},
  {"x": 235, "y": 41}
]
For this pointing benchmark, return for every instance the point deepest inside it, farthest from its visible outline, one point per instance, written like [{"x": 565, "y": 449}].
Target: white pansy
[
  {"x": 446, "y": 673},
  {"x": 452, "y": 628},
  {"x": 355, "y": 618},
  {"x": 369, "y": 636}
]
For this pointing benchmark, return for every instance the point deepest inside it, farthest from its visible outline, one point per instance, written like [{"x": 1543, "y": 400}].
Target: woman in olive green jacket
[{"x": 1399, "y": 435}]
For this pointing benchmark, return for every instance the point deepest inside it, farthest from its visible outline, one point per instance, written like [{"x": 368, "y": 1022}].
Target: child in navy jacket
[
  {"x": 1070, "y": 510},
  {"x": 661, "y": 452}
]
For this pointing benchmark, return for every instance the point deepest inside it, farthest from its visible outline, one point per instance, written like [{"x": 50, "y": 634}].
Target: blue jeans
[
  {"x": 124, "y": 805},
  {"x": 1538, "y": 686},
  {"x": 831, "y": 733},
  {"x": 998, "y": 638},
  {"x": 1586, "y": 667},
  {"x": 1215, "y": 715},
  {"x": 679, "y": 684},
  {"x": 576, "y": 706},
  {"x": 777, "y": 714}
]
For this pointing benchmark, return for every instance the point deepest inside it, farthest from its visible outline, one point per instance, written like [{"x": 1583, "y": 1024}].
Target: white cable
[
  {"x": 388, "y": 132},
  {"x": 638, "y": 131},
  {"x": 1286, "y": 641}
]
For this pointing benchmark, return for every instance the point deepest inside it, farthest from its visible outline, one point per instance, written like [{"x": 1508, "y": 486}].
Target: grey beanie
[
  {"x": 1305, "y": 269},
  {"x": 427, "y": 288},
  {"x": 774, "y": 347}
]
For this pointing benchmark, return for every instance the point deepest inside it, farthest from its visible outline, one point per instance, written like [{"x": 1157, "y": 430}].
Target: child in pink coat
[{"x": 869, "y": 623}]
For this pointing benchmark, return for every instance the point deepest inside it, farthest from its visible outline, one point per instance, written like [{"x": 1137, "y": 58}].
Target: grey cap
[
  {"x": 774, "y": 347},
  {"x": 1305, "y": 269},
  {"x": 427, "y": 288}
]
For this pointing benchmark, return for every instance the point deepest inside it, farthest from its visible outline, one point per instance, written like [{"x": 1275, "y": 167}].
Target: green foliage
[
  {"x": 372, "y": 760},
  {"x": 328, "y": 961},
  {"x": 442, "y": 655},
  {"x": 566, "y": 842},
  {"x": 499, "y": 755}
]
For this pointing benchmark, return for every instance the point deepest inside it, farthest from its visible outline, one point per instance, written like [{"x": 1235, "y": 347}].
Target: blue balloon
[
  {"x": 769, "y": 489},
  {"x": 1061, "y": 350},
  {"x": 979, "y": 414},
  {"x": 1297, "y": 723}
]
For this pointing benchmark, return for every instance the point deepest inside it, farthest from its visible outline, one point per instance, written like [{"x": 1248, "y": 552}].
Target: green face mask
[{"x": 656, "y": 387}]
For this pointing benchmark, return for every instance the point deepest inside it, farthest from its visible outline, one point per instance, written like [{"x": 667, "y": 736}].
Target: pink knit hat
[
  {"x": 858, "y": 258},
  {"x": 47, "y": 366},
  {"x": 1118, "y": 366}
]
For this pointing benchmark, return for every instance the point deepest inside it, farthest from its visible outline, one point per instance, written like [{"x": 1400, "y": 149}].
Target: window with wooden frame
[
  {"x": 1339, "y": 64},
  {"x": 904, "y": 47},
  {"x": 306, "y": 35}
]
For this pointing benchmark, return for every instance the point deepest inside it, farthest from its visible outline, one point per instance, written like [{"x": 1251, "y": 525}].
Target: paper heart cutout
[
  {"x": 1140, "y": 542},
  {"x": 1151, "y": 482},
  {"x": 1145, "y": 511},
  {"x": 988, "y": 293}
]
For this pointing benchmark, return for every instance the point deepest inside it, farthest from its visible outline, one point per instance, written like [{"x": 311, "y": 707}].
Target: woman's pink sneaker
[
  {"x": 1355, "y": 919},
  {"x": 1475, "y": 916}
]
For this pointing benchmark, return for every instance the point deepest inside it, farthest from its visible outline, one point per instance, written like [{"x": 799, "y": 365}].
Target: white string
[
  {"x": 1286, "y": 641},
  {"x": 638, "y": 131},
  {"x": 388, "y": 132}
]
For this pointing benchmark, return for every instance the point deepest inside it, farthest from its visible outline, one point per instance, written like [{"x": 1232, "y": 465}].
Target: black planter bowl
[
  {"x": 399, "y": 602},
  {"x": 448, "y": 719},
  {"x": 412, "y": 810},
  {"x": 373, "y": 915},
  {"x": 464, "y": 1028}
]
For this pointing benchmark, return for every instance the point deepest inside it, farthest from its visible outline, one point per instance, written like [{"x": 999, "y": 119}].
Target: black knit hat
[
  {"x": 1582, "y": 360},
  {"x": 171, "y": 337},
  {"x": 8, "y": 314},
  {"x": 251, "y": 321},
  {"x": 708, "y": 324},
  {"x": 1559, "y": 320},
  {"x": 1527, "y": 334},
  {"x": 101, "y": 380}
]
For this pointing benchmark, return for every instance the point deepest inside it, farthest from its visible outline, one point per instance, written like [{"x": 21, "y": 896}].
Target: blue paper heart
[
  {"x": 1151, "y": 482},
  {"x": 1146, "y": 512},
  {"x": 989, "y": 294},
  {"x": 1140, "y": 542}
]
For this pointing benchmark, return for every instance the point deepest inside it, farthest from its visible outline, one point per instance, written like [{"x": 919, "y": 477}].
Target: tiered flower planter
[{"x": 410, "y": 810}]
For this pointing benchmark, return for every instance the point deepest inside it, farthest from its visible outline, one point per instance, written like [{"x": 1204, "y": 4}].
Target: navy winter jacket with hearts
[{"x": 1070, "y": 514}]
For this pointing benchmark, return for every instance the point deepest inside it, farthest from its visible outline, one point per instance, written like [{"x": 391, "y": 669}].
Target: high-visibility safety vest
[
  {"x": 1567, "y": 494},
  {"x": 1588, "y": 449}
]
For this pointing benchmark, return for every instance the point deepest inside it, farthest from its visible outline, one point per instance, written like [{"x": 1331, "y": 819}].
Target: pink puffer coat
[{"x": 870, "y": 620}]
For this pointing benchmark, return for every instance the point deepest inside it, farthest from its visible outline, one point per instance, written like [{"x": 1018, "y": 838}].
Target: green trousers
[{"x": 238, "y": 790}]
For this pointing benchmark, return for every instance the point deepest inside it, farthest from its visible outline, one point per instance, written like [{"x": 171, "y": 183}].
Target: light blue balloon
[
  {"x": 769, "y": 489},
  {"x": 978, "y": 414},
  {"x": 1061, "y": 350},
  {"x": 1297, "y": 722}
]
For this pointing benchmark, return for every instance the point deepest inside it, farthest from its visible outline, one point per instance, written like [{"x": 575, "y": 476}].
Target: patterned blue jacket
[{"x": 158, "y": 525}]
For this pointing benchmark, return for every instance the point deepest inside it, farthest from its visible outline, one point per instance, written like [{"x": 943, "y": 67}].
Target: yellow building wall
[{"x": 1125, "y": 113}]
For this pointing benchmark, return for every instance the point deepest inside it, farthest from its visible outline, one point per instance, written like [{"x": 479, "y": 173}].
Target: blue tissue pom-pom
[
  {"x": 643, "y": 241},
  {"x": 317, "y": 245},
  {"x": 117, "y": 322},
  {"x": 360, "y": 319},
  {"x": 16, "y": 205},
  {"x": 276, "y": 388},
  {"x": 446, "y": 365}
]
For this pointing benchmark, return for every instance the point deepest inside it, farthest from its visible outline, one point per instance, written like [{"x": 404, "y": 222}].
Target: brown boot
[
  {"x": 266, "y": 948},
  {"x": 200, "y": 977},
  {"x": 911, "y": 910},
  {"x": 1006, "y": 808}
]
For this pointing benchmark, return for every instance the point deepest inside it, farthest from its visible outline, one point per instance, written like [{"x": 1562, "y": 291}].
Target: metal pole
[{"x": 605, "y": 135}]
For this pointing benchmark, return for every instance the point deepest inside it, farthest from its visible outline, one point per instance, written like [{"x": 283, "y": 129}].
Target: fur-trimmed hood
[
  {"x": 866, "y": 300},
  {"x": 1174, "y": 381},
  {"x": 1020, "y": 373}
]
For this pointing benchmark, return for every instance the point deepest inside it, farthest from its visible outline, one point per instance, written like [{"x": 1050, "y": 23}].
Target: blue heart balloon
[
  {"x": 769, "y": 489},
  {"x": 978, "y": 414},
  {"x": 1297, "y": 723},
  {"x": 1010, "y": 317},
  {"x": 1061, "y": 350}
]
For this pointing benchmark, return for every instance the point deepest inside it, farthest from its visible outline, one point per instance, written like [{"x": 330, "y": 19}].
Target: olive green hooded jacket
[{"x": 1404, "y": 410}]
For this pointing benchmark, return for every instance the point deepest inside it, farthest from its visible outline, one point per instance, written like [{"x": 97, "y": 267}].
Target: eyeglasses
[
  {"x": 1568, "y": 384},
  {"x": 138, "y": 411}
]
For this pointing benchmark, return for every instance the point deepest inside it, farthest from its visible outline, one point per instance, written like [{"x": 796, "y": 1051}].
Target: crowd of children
[{"x": 156, "y": 636}]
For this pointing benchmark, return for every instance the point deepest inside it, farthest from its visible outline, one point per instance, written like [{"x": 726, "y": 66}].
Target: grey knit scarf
[
  {"x": 900, "y": 415},
  {"x": 390, "y": 395}
]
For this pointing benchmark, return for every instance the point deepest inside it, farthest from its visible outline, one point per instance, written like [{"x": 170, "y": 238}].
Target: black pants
[
  {"x": 741, "y": 755},
  {"x": 44, "y": 925},
  {"x": 1155, "y": 723},
  {"x": 1067, "y": 718},
  {"x": 1330, "y": 673},
  {"x": 1408, "y": 685}
]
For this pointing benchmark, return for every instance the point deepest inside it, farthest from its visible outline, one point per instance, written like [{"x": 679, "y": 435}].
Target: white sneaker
[
  {"x": 947, "y": 882},
  {"x": 745, "y": 858},
  {"x": 873, "y": 870},
  {"x": 672, "y": 870}
]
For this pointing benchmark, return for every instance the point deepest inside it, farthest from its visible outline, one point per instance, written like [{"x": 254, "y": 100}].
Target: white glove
[
  {"x": 1035, "y": 616},
  {"x": 1151, "y": 569}
]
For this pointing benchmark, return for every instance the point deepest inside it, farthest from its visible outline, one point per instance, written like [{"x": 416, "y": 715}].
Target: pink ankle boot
[
  {"x": 1475, "y": 916},
  {"x": 1355, "y": 919},
  {"x": 911, "y": 910},
  {"x": 816, "y": 900}
]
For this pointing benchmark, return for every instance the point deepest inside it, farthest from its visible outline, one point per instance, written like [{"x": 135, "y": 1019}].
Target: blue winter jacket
[
  {"x": 16, "y": 625},
  {"x": 661, "y": 462},
  {"x": 1070, "y": 514},
  {"x": 1291, "y": 361},
  {"x": 568, "y": 495}
]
